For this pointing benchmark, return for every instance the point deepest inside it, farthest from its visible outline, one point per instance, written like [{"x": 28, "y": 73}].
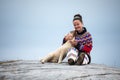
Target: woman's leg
[
  {"x": 80, "y": 58},
  {"x": 83, "y": 58},
  {"x": 72, "y": 56}
]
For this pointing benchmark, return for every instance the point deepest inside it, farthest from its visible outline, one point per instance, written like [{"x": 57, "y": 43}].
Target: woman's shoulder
[{"x": 87, "y": 34}]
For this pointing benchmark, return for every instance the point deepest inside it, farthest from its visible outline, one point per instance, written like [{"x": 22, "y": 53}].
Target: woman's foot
[
  {"x": 71, "y": 61},
  {"x": 80, "y": 59}
]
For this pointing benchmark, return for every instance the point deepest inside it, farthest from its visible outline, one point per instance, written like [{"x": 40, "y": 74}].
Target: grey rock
[{"x": 34, "y": 70}]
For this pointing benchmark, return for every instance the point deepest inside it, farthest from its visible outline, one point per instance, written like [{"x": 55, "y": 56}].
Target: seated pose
[
  {"x": 82, "y": 43},
  {"x": 58, "y": 55}
]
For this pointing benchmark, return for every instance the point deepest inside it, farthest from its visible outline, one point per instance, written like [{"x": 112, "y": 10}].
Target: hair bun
[{"x": 77, "y": 16}]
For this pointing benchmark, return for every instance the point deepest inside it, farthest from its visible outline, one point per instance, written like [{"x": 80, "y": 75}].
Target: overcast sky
[{"x": 30, "y": 29}]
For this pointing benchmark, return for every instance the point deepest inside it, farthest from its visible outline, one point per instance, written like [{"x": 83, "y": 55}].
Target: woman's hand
[
  {"x": 69, "y": 36},
  {"x": 73, "y": 42}
]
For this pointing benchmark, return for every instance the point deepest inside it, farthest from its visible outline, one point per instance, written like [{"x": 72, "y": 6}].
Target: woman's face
[{"x": 78, "y": 25}]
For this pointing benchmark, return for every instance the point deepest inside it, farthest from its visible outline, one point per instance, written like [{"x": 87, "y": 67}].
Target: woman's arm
[
  {"x": 67, "y": 37},
  {"x": 63, "y": 41},
  {"x": 86, "y": 44}
]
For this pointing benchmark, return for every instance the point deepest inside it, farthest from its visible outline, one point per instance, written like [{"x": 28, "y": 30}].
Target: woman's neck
[{"x": 82, "y": 31}]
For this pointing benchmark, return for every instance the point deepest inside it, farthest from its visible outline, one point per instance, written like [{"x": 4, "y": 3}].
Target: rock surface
[{"x": 34, "y": 70}]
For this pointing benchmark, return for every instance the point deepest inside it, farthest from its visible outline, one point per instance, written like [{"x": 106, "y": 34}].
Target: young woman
[{"x": 82, "y": 43}]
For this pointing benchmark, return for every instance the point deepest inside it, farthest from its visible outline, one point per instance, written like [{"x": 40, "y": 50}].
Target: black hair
[{"x": 78, "y": 17}]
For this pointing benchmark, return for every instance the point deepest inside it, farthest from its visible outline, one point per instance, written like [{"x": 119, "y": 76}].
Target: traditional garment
[{"x": 84, "y": 45}]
